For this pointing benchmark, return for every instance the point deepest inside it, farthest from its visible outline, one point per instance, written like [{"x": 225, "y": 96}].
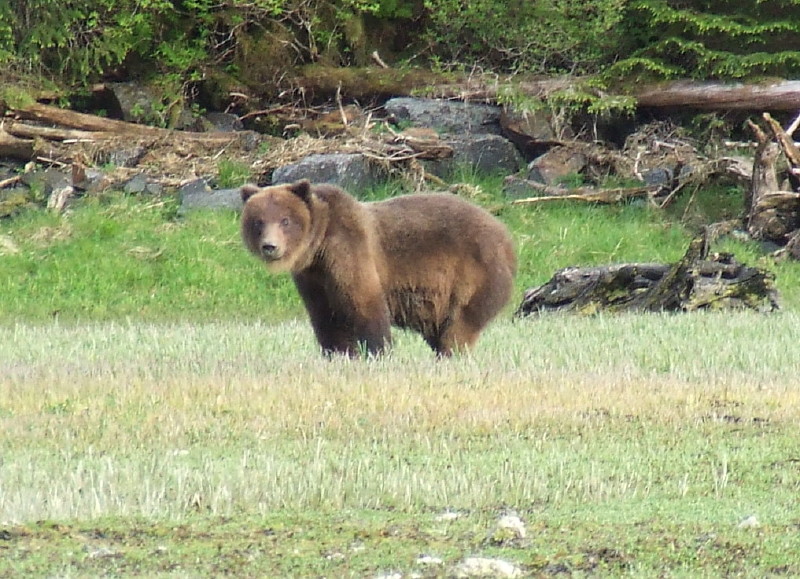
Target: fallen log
[
  {"x": 55, "y": 123},
  {"x": 696, "y": 282},
  {"x": 323, "y": 83},
  {"x": 14, "y": 147},
  {"x": 777, "y": 96}
]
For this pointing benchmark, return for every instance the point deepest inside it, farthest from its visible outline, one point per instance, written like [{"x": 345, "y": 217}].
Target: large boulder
[
  {"x": 481, "y": 153},
  {"x": 198, "y": 194},
  {"x": 444, "y": 116},
  {"x": 349, "y": 171}
]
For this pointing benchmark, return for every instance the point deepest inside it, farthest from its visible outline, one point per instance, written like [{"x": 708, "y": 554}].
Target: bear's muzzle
[{"x": 270, "y": 251}]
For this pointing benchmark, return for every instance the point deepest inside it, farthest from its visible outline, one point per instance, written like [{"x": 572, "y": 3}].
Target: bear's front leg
[
  {"x": 344, "y": 325},
  {"x": 371, "y": 327}
]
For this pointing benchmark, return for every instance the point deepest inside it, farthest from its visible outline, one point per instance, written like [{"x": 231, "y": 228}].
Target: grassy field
[{"x": 164, "y": 414}]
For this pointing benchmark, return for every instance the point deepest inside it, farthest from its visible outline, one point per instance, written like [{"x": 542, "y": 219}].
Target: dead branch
[
  {"x": 584, "y": 194},
  {"x": 787, "y": 144},
  {"x": 10, "y": 181},
  {"x": 100, "y": 127}
]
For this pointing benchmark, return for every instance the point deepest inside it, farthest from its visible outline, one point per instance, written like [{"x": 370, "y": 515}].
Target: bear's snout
[{"x": 269, "y": 250}]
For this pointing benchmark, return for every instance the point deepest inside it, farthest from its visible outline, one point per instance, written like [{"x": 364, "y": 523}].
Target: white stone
[
  {"x": 749, "y": 522},
  {"x": 429, "y": 560},
  {"x": 484, "y": 567},
  {"x": 512, "y": 524},
  {"x": 448, "y": 516}
]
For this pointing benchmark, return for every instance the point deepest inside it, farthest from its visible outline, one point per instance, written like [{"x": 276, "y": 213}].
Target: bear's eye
[
  {"x": 285, "y": 222},
  {"x": 258, "y": 224}
]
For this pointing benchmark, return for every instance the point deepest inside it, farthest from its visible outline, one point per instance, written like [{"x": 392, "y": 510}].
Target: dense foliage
[{"x": 85, "y": 40}]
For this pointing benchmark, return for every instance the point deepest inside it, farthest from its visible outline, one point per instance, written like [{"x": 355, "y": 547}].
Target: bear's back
[{"x": 439, "y": 223}]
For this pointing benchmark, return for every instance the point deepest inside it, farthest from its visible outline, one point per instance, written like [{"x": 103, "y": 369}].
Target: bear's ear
[
  {"x": 302, "y": 189},
  {"x": 248, "y": 191}
]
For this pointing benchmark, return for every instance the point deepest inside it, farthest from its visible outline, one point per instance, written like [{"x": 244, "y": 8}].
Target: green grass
[
  {"x": 123, "y": 257},
  {"x": 128, "y": 257},
  {"x": 165, "y": 412}
]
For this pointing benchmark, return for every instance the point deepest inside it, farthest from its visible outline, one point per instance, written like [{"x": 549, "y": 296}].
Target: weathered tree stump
[
  {"x": 773, "y": 201},
  {"x": 696, "y": 282}
]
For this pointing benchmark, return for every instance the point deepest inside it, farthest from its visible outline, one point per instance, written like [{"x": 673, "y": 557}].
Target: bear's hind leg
[
  {"x": 458, "y": 337},
  {"x": 468, "y": 321}
]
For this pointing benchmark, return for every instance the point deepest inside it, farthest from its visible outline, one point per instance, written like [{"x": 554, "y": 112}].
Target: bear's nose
[{"x": 268, "y": 248}]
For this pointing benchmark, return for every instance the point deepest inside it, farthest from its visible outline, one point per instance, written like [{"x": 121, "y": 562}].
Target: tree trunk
[{"x": 11, "y": 146}]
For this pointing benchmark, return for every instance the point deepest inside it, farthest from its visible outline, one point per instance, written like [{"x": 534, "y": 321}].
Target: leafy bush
[
  {"x": 82, "y": 38},
  {"x": 538, "y": 37}
]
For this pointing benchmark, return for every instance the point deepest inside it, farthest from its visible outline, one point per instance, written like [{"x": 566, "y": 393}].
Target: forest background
[{"x": 253, "y": 43}]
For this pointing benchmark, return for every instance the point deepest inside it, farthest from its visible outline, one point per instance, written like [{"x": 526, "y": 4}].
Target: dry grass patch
[{"x": 167, "y": 420}]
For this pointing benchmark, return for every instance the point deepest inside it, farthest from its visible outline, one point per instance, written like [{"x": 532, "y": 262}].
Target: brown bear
[{"x": 433, "y": 263}]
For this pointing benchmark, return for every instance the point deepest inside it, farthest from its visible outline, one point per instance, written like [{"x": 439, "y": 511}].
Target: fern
[{"x": 711, "y": 39}]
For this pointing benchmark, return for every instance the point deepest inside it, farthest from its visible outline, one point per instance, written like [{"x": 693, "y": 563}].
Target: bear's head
[{"x": 277, "y": 224}]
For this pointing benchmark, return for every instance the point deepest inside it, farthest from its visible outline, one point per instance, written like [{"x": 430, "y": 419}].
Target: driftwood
[
  {"x": 23, "y": 128},
  {"x": 696, "y": 282},
  {"x": 14, "y": 147}
]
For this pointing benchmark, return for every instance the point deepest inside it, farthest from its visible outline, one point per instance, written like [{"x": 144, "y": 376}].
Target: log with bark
[{"x": 698, "y": 281}]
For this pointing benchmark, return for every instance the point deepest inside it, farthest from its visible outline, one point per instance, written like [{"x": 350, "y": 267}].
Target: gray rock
[
  {"x": 141, "y": 184},
  {"x": 249, "y": 140},
  {"x": 154, "y": 188},
  {"x": 353, "y": 172},
  {"x": 517, "y": 187},
  {"x": 533, "y": 131},
  {"x": 137, "y": 184},
  {"x": 224, "y": 122},
  {"x": 481, "y": 153},
  {"x": 199, "y": 195},
  {"x": 556, "y": 164},
  {"x": 486, "y": 153},
  {"x": 455, "y": 117},
  {"x": 14, "y": 199},
  {"x": 664, "y": 176},
  {"x": 47, "y": 181},
  {"x": 136, "y": 102},
  {"x": 88, "y": 179},
  {"x": 659, "y": 176},
  {"x": 485, "y": 567}
]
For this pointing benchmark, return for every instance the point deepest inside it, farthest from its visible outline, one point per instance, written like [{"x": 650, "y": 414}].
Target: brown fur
[{"x": 433, "y": 263}]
